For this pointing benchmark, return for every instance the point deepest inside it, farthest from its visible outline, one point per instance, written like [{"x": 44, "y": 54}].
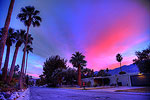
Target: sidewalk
[
  {"x": 110, "y": 89},
  {"x": 113, "y": 89}
]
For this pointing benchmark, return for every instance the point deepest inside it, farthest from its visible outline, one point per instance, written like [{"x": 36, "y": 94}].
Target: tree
[
  {"x": 78, "y": 61},
  {"x": 29, "y": 41},
  {"x": 107, "y": 70},
  {"x": 29, "y": 16},
  {"x": 29, "y": 49},
  {"x": 119, "y": 58},
  {"x": 143, "y": 60},
  {"x": 86, "y": 72},
  {"x": 11, "y": 37},
  {"x": 69, "y": 76},
  {"x": 42, "y": 80},
  {"x": 102, "y": 73},
  {"x": 5, "y": 31},
  {"x": 51, "y": 69},
  {"x": 20, "y": 37},
  {"x": 16, "y": 71}
]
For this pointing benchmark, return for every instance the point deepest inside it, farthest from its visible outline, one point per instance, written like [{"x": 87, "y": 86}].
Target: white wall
[{"x": 124, "y": 79}]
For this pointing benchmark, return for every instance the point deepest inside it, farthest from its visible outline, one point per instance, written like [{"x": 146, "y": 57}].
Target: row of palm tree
[
  {"x": 10, "y": 40},
  {"x": 19, "y": 38},
  {"x": 29, "y": 16}
]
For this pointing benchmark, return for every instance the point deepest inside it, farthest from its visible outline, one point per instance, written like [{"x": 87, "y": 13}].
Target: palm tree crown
[
  {"x": 119, "y": 57},
  {"x": 77, "y": 59},
  {"x": 20, "y": 37},
  {"x": 29, "y": 49},
  {"x": 11, "y": 37},
  {"x": 30, "y": 39},
  {"x": 30, "y": 16}
]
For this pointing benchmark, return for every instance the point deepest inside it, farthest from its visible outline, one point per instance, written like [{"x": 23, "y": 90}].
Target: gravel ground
[{"x": 37, "y": 93}]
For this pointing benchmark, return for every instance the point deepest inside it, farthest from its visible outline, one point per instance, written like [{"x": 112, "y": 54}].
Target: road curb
[{"x": 25, "y": 95}]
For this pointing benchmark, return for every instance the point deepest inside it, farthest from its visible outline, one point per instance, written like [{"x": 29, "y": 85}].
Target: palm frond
[{"x": 28, "y": 14}]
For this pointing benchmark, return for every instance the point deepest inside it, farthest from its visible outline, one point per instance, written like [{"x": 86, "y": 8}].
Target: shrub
[
  {"x": 89, "y": 83},
  {"x": 122, "y": 72},
  {"x": 95, "y": 85},
  {"x": 106, "y": 81}
]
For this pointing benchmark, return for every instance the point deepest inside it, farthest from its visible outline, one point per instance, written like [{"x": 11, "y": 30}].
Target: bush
[
  {"x": 143, "y": 61},
  {"x": 3, "y": 85},
  {"x": 95, "y": 85},
  {"x": 106, "y": 81},
  {"x": 89, "y": 83},
  {"x": 122, "y": 72}
]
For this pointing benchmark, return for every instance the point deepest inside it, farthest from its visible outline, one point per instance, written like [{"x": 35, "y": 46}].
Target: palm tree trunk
[
  {"x": 5, "y": 31},
  {"x": 23, "y": 61},
  {"x": 13, "y": 65},
  {"x": 26, "y": 64},
  {"x": 4, "y": 74},
  {"x": 79, "y": 75},
  {"x": 120, "y": 67}
]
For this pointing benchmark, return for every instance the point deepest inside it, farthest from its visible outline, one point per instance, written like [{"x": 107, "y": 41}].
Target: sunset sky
[{"x": 98, "y": 28}]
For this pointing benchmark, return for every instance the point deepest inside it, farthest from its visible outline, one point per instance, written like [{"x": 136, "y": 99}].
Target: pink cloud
[{"x": 33, "y": 75}]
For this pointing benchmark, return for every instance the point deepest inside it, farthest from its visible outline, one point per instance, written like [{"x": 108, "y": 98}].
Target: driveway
[{"x": 37, "y": 93}]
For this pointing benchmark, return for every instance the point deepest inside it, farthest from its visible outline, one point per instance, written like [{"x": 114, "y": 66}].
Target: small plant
[
  {"x": 89, "y": 83},
  {"x": 95, "y": 85}
]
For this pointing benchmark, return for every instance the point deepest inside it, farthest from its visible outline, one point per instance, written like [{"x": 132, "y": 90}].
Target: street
[{"x": 37, "y": 93}]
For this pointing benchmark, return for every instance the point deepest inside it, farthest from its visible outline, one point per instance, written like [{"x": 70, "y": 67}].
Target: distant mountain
[{"x": 127, "y": 68}]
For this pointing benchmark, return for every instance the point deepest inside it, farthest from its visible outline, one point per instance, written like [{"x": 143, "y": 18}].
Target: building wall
[
  {"x": 140, "y": 80},
  {"x": 91, "y": 79},
  {"x": 124, "y": 79}
]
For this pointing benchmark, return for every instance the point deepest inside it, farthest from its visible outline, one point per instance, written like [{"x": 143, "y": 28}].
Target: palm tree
[
  {"x": 29, "y": 41},
  {"x": 119, "y": 59},
  {"x": 29, "y": 16},
  {"x": 28, "y": 49},
  {"x": 10, "y": 40},
  {"x": 5, "y": 31},
  {"x": 78, "y": 61},
  {"x": 20, "y": 37}
]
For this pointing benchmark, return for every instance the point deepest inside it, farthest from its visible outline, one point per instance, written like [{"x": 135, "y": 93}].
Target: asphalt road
[{"x": 37, "y": 93}]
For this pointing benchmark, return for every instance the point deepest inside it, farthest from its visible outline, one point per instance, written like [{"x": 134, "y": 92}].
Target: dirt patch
[{"x": 141, "y": 90}]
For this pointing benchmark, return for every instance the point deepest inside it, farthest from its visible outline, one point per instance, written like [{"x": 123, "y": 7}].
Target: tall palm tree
[
  {"x": 20, "y": 37},
  {"x": 10, "y": 40},
  {"x": 5, "y": 31},
  {"x": 29, "y": 16},
  {"x": 119, "y": 58},
  {"x": 78, "y": 61},
  {"x": 28, "y": 49},
  {"x": 29, "y": 41}
]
